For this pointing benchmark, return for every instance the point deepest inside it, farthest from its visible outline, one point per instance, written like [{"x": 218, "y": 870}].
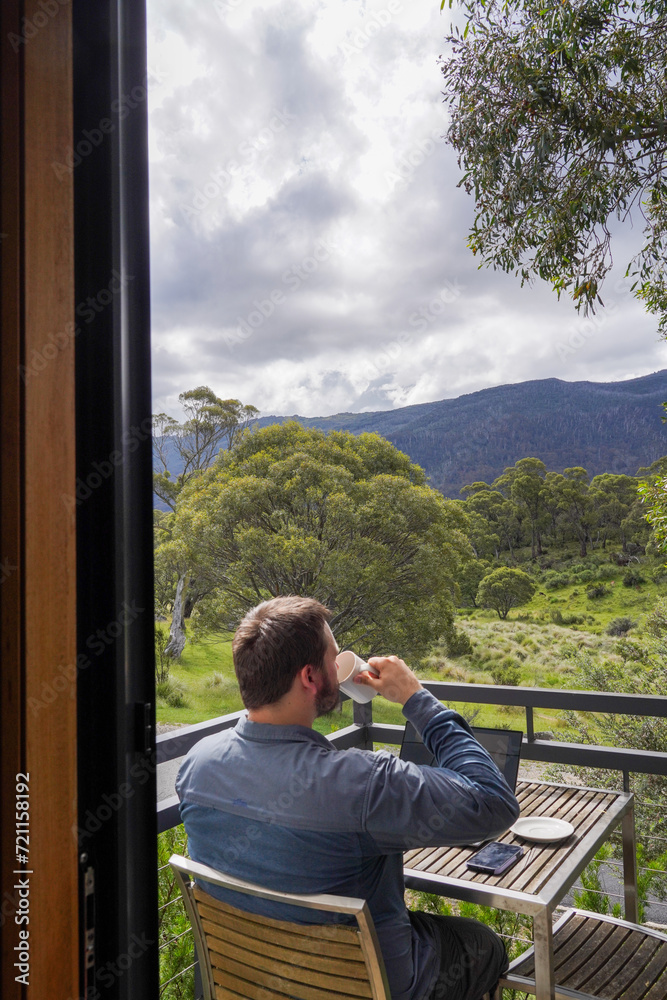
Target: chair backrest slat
[
  {"x": 267, "y": 936},
  {"x": 352, "y": 965},
  {"x": 319, "y": 971},
  {"x": 333, "y": 932},
  {"x": 243, "y": 954}
]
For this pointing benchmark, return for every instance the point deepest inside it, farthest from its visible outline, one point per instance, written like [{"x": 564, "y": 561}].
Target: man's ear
[{"x": 307, "y": 676}]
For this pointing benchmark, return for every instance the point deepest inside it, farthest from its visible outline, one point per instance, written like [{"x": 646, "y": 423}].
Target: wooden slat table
[{"x": 542, "y": 877}]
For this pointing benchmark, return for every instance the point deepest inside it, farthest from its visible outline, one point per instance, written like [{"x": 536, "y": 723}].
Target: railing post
[
  {"x": 198, "y": 988},
  {"x": 362, "y": 715},
  {"x": 530, "y": 728},
  {"x": 630, "y": 867}
]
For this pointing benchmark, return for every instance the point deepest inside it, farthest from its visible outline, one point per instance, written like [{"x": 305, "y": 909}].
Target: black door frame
[{"x": 117, "y": 834}]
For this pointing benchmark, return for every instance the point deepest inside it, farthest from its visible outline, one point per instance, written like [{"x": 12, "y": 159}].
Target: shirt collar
[{"x": 267, "y": 732}]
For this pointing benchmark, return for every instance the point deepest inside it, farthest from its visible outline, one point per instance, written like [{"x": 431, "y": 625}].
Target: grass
[
  {"x": 541, "y": 655},
  {"x": 563, "y": 580},
  {"x": 205, "y": 677},
  {"x": 207, "y": 687},
  {"x": 518, "y": 653},
  {"x": 534, "y": 647}
]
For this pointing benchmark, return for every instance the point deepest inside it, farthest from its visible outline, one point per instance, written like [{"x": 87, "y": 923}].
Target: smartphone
[{"x": 495, "y": 858}]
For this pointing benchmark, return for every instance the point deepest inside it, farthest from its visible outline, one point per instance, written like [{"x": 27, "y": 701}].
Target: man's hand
[{"x": 395, "y": 681}]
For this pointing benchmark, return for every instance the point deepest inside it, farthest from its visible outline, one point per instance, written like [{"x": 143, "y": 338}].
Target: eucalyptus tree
[
  {"x": 613, "y": 498},
  {"x": 500, "y": 513},
  {"x": 558, "y": 115},
  {"x": 569, "y": 492},
  {"x": 346, "y": 519},
  {"x": 524, "y": 484},
  {"x": 505, "y": 588},
  {"x": 182, "y": 451}
]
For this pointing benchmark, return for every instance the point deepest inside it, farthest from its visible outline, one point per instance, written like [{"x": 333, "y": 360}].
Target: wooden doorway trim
[{"x": 37, "y": 531}]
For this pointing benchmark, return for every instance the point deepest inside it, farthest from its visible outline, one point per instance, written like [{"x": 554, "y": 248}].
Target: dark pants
[{"x": 472, "y": 957}]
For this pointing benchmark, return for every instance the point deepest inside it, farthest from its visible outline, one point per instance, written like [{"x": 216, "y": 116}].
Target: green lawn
[
  {"x": 205, "y": 681},
  {"x": 204, "y": 678},
  {"x": 530, "y": 648}
]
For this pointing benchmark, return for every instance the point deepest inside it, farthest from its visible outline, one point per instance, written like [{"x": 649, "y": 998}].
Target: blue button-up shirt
[{"x": 281, "y": 806}]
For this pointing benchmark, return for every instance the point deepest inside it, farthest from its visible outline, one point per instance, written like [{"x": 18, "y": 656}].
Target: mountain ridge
[{"x": 602, "y": 426}]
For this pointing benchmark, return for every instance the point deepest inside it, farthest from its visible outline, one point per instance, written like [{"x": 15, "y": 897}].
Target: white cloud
[{"x": 281, "y": 128}]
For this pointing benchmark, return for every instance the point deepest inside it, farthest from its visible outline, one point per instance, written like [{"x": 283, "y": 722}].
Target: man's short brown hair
[{"x": 274, "y": 642}]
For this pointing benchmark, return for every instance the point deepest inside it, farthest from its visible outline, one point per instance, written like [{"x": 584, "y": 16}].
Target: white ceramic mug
[{"x": 349, "y": 665}]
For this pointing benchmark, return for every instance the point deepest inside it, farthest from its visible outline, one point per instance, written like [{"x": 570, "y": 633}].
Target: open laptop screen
[{"x": 503, "y": 745}]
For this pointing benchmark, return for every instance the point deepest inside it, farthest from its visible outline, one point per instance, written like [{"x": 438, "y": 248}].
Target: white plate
[{"x": 542, "y": 828}]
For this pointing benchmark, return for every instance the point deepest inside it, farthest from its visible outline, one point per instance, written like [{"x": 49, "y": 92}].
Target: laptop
[{"x": 503, "y": 745}]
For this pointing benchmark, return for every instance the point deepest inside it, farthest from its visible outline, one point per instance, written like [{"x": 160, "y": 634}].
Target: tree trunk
[{"x": 176, "y": 643}]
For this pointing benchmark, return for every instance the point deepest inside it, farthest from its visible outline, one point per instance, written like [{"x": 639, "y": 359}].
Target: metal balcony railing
[{"x": 365, "y": 733}]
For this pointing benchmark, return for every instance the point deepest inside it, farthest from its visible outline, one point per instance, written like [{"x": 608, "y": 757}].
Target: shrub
[
  {"x": 630, "y": 651},
  {"x": 506, "y": 672},
  {"x": 173, "y": 693},
  {"x": 177, "y": 949},
  {"x": 555, "y": 581},
  {"x": 620, "y": 626},
  {"x": 632, "y": 578},
  {"x": 635, "y": 732},
  {"x": 505, "y": 588},
  {"x": 456, "y": 642},
  {"x": 216, "y": 680},
  {"x": 162, "y": 661},
  {"x": 558, "y": 618},
  {"x": 599, "y": 590}
]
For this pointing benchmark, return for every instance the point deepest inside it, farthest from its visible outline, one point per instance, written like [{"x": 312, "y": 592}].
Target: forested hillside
[{"x": 604, "y": 427}]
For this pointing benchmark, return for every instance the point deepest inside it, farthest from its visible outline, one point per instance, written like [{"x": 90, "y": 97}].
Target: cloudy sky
[{"x": 308, "y": 236}]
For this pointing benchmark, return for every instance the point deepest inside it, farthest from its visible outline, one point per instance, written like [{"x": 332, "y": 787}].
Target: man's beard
[{"x": 327, "y": 696}]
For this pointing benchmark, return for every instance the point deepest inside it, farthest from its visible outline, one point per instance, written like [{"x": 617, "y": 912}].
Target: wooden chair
[
  {"x": 599, "y": 956},
  {"x": 245, "y": 955}
]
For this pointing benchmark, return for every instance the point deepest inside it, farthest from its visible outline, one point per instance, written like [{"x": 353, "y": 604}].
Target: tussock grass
[
  {"x": 203, "y": 685},
  {"x": 206, "y": 682},
  {"x": 535, "y": 647},
  {"x": 522, "y": 653}
]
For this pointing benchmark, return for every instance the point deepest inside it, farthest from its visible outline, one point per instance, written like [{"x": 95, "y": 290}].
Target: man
[{"x": 272, "y": 801}]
